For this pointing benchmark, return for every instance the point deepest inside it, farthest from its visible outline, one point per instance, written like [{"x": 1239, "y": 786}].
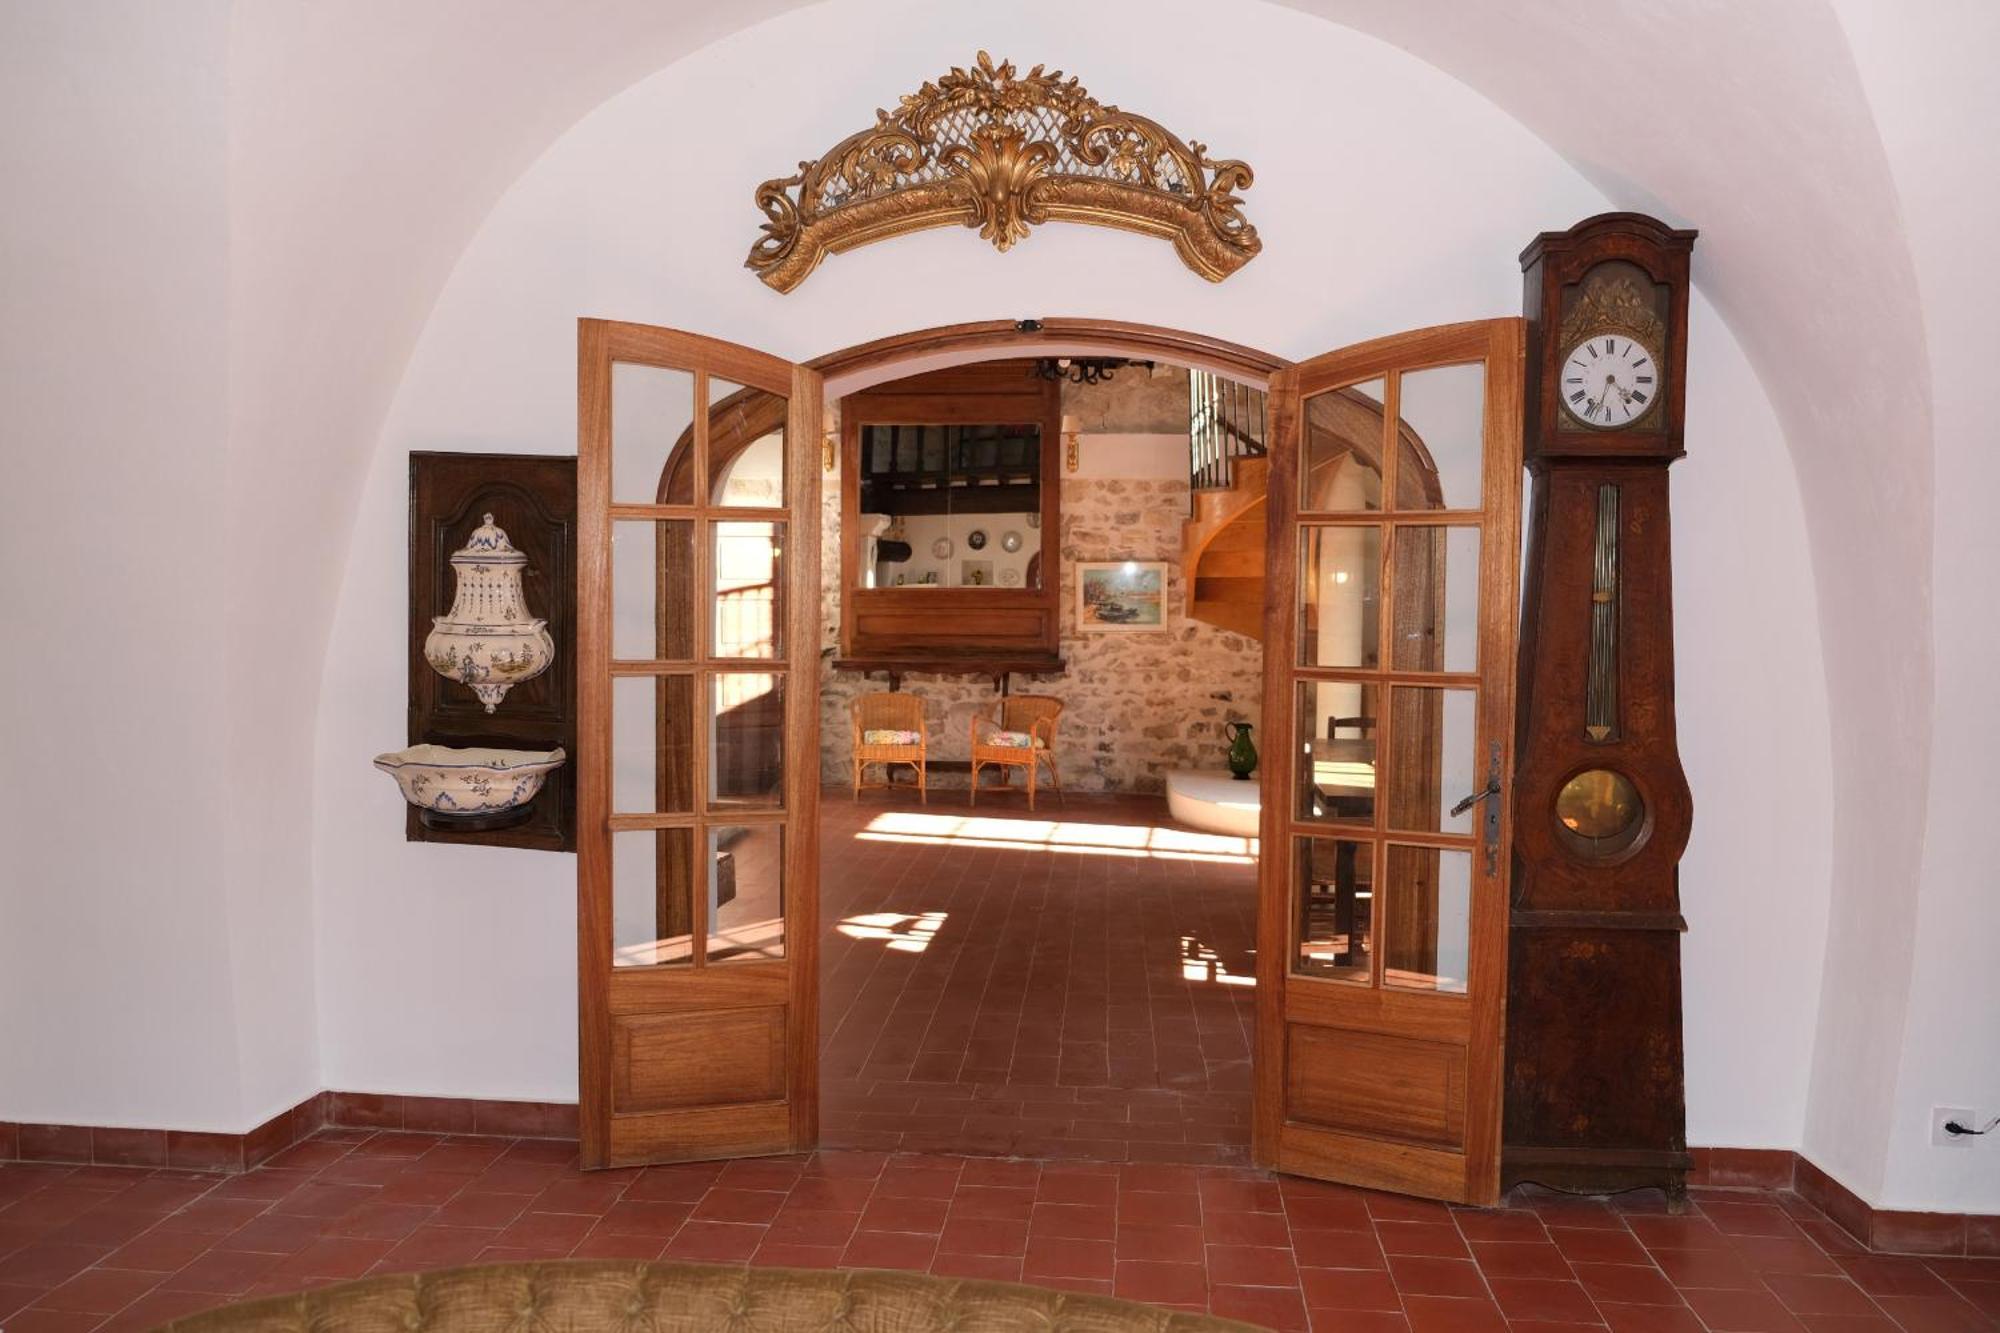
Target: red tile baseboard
[
  {"x": 193, "y": 1150},
  {"x": 1882, "y": 1230},
  {"x": 452, "y": 1115},
  {"x": 190, "y": 1150}
]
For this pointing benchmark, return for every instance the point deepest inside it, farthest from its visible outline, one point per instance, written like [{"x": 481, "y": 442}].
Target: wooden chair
[
  {"x": 892, "y": 720},
  {"x": 1024, "y": 737}
]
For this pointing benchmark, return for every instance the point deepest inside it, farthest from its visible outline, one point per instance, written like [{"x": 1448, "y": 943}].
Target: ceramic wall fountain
[
  {"x": 490, "y": 652},
  {"x": 489, "y": 643}
]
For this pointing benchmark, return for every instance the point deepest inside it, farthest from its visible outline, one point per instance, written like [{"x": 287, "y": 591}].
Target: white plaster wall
[
  {"x": 472, "y": 991},
  {"x": 1927, "y": 71},
  {"x": 117, "y": 981}
]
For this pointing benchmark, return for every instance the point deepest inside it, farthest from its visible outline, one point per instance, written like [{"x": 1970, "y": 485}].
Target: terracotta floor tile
[
  {"x": 1252, "y": 1266},
  {"x": 1812, "y": 1293},
  {"x": 1054, "y": 1256},
  {"x": 1452, "y": 1314},
  {"x": 1674, "y": 1318},
  {"x": 778, "y": 1254},
  {"x": 101, "y": 1291},
  {"x": 985, "y": 1267},
  {"x": 1073, "y": 1221},
  {"x": 223, "y": 1271},
  {"x": 1161, "y": 1283},
  {"x": 1351, "y": 1289},
  {"x": 561, "y": 1230},
  {"x": 1149, "y": 1244},
  {"x": 1508, "y": 1258},
  {"x": 739, "y": 1205},
  {"x": 623, "y": 1245},
  {"x": 1892, "y": 1275},
  {"x": 905, "y": 1214},
  {"x": 1273, "y": 1307},
  {"x": 1598, "y": 1245},
  {"x": 890, "y": 1249},
  {"x": 333, "y": 1257},
  {"x": 1741, "y": 1311},
  {"x": 983, "y": 1235},
  {"x": 1247, "y": 1228},
  {"x": 1707, "y": 1268},
  {"x": 1517, "y": 1225},
  {"x": 1936, "y": 1314},
  {"x": 1438, "y": 1239},
  {"x": 1538, "y": 1298},
  {"x": 1425, "y": 1275},
  {"x": 1848, "y": 1323},
  {"x": 1626, "y": 1284},
  {"x": 717, "y": 1242},
  {"x": 39, "y": 1320}
]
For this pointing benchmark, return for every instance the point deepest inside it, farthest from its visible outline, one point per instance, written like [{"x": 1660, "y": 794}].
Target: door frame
[{"x": 858, "y": 366}]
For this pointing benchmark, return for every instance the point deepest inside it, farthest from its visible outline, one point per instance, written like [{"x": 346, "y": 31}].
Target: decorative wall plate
[
  {"x": 1010, "y": 542},
  {"x": 1010, "y": 578},
  {"x": 942, "y": 548},
  {"x": 988, "y": 148},
  {"x": 976, "y": 539}
]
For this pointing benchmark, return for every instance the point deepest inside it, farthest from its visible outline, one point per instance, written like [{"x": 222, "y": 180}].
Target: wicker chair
[
  {"x": 891, "y": 719},
  {"x": 1033, "y": 716}
]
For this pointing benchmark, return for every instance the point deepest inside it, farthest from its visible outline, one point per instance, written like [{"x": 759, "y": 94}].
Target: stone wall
[{"x": 1136, "y": 705}]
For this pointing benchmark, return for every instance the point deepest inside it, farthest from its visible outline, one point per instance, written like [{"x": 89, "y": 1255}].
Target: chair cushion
[
  {"x": 1012, "y": 740},
  {"x": 892, "y": 737}
]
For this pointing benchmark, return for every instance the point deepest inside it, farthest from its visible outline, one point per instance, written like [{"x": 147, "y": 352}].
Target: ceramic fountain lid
[{"x": 488, "y": 545}]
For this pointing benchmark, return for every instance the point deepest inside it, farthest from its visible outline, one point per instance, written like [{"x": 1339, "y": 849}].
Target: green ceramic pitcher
[{"x": 1242, "y": 753}]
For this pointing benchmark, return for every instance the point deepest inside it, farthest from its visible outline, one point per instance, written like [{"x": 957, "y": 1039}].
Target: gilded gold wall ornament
[{"x": 1002, "y": 152}]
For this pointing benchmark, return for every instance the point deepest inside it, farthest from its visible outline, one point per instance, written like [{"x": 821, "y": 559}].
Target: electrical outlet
[{"x": 1958, "y": 1115}]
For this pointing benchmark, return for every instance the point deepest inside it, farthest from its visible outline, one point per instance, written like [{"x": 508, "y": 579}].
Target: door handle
[
  {"x": 1491, "y": 815},
  {"x": 1492, "y": 788}
]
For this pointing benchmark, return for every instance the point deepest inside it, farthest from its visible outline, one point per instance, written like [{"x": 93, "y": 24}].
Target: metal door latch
[
  {"x": 1492, "y": 788},
  {"x": 1491, "y": 814}
]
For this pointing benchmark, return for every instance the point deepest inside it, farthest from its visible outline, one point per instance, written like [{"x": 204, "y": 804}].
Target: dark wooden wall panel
[{"x": 532, "y": 497}]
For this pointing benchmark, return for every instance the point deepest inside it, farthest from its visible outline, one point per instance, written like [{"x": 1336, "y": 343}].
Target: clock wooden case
[{"x": 1594, "y": 1079}]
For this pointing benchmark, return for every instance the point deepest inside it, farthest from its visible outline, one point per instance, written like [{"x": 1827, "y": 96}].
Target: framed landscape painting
[{"x": 1121, "y": 596}]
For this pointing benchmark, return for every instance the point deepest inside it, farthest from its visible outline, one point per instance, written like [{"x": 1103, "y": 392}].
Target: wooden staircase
[
  {"x": 1222, "y": 542},
  {"x": 1222, "y": 551}
]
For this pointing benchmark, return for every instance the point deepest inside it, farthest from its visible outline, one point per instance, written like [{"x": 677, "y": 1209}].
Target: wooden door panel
[
  {"x": 669, "y": 1061},
  {"x": 699, "y": 1134},
  {"x": 697, "y": 934},
  {"x": 1381, "y": 970},
  {"x": 1391, "y": 1086}
]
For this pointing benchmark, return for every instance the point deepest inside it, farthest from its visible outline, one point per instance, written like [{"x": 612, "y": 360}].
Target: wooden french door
[
  {"x": 698, "y": 770},
  {"x": 1393, "y": 560}
]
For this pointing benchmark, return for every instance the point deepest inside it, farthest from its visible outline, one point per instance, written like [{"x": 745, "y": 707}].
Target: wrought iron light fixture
[
  {"x": 1002, "y": 152},
  {"x": 1084, "y": 369}
]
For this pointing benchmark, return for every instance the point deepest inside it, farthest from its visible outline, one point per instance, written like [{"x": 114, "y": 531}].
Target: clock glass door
[
  {"x": 698, "y": 606},
  {"x": 1390, "y": 643}
]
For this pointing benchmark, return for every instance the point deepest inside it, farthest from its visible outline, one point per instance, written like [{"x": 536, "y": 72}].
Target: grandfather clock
[{"x": 1601, "y": 809}]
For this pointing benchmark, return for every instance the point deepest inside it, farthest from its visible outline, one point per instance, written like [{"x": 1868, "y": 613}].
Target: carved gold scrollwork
[
  {"x": 1002, "y": 152},
  {"x": 1614, "y": 303}
]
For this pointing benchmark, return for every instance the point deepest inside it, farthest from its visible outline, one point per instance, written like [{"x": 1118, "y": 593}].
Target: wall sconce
[
  {"x": 829, "y": 453},
  {"x": 1072, "y": 456}
]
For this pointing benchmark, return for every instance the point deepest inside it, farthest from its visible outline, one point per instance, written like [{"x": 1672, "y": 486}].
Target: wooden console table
[{"x": 1001, "y": 668}]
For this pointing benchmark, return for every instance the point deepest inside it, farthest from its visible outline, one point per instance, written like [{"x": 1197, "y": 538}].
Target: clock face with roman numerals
[{"x": 1609, "y": 381}]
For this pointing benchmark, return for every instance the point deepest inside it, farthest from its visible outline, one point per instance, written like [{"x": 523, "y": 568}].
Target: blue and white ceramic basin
[{"x": 453, "y": 781}]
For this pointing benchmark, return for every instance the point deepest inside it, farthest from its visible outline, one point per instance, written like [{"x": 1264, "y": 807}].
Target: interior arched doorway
[{"x": 1389, "y": 614}]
